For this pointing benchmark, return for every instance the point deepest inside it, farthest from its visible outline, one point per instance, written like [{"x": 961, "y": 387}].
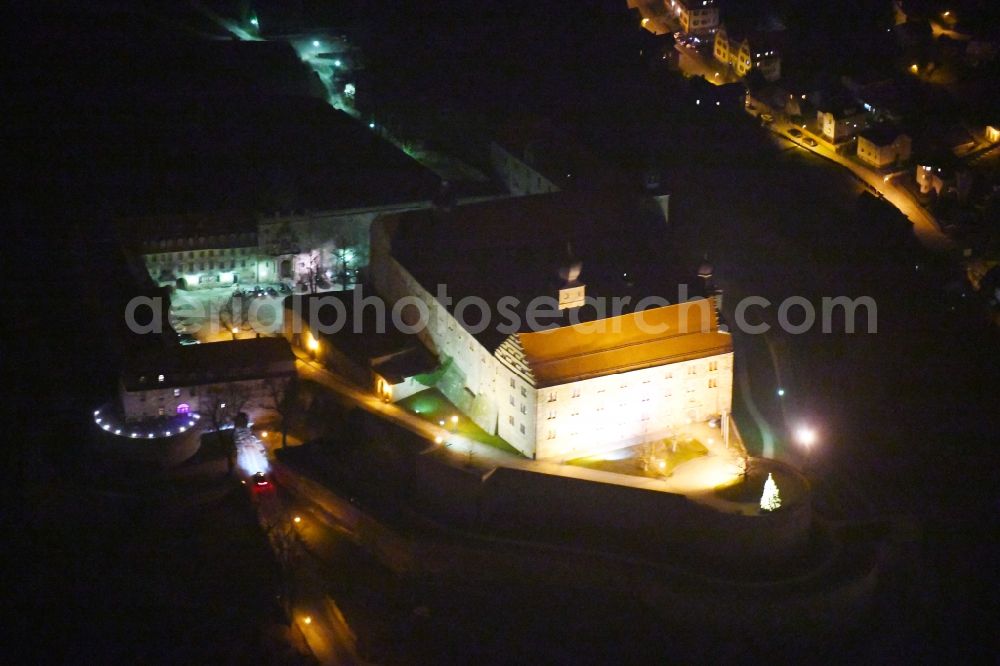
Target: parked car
[
  {"x": 187, "y": 339},
  {"x": 797, "y": 133},
  {"x": 766, "y": 118},
  {"x": 809, "y": 141},
  {"x": 272, "y": 292}
]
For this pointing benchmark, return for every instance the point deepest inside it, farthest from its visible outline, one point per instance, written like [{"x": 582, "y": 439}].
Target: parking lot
[{"x": 227, "y": 313}]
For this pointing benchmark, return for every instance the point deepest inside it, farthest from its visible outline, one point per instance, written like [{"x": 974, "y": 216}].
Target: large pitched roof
[
  {"x": 881, "y": 135},
  {"x": 514, "y": 248},
  {"x": 192, "y": 365},
  {"x": 649, "y": 338}
]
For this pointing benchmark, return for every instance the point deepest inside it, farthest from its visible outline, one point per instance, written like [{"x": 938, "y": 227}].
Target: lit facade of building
[
  {"x": 579, "y": 388},
  {"x": 232, "y": 248},
  {"x": 695, "y": 16},
  {"x": 518, "y": 176},
  {"x": 841, "y": 123},
  {"x": 180, "y": 380},
  {"x": 882, "y": 147},
  {"x": 745, "y": 52}
]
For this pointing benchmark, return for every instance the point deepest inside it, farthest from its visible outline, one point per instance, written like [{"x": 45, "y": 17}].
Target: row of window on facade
[
  {"x": 713, "y": 366},
  {"x": 191, "y": 254},
  {"x": 712, "y": 383},
  {"x": 176, "y": 392},
  {"x": 603, "y": 425},
  {"x": 211, "y": 266},
  {"x": 182, "y": 409},
  {"x": 510, "y": 421},
  {"x": 190, "y": 241}
]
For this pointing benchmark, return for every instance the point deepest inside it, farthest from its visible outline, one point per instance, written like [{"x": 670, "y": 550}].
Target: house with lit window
[
  {"x": 697, "y": 17},
  {"x": 162, "y": 382},
  {"x": 558, "y": 326},
  {"x": 840, "y": 121},
  {"x": 883, "y": 146},
  {"x": 746, "y": 50}
]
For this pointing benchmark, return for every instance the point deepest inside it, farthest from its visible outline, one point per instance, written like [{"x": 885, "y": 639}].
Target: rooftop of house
[
  {"x": 881, "y": 135},
  {"x": 191, "y": 231},
  {"x": 192, "y": 365},
  {"x": 515, "y": 249},
  {"x": 840, "y": 108},
  {"x": 634, "y": 341}
]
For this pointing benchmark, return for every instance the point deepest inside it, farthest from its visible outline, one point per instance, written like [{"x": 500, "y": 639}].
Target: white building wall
[
  {"x": 486, "y": 377},
  {"x": 606, "y": 413},
  {"x": 590, "y": 416},
  {"x": 519, "y": 178},
  {"x": 207, "y": 267}
]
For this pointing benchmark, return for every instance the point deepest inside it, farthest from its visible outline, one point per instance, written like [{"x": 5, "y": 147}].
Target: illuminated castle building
[{"x": 594, "y": 379}]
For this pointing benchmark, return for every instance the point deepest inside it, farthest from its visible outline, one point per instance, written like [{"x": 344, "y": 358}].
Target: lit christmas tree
[{"x": 770, "y": 500}]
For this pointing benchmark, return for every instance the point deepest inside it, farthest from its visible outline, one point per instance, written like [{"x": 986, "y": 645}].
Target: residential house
[
  {"x": 883, "y": 146},
  {"x": 840, "y": 121},
  {"x": 746, "y": 50},
  {"x": 696, "y": 17}
]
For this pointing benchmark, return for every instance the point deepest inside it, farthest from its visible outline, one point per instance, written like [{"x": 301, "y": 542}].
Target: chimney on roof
[{"x": 572, "y": 292}]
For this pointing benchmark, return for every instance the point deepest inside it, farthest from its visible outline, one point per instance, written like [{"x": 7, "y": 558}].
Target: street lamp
[{"x": 806, "y": 436}]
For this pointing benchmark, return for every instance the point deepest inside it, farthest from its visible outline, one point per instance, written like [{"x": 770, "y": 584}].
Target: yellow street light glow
[
  {"x": 297, "y": 519},
  {"x": 645, "y": 21},
  {"x": 914, "y": 68},
  {"x": 235, "y": 330},
  {"x": 263, "y": 434},
  {"x": 312, "y": 343},
  {"x": 308, "y": 619},
  {"x": 438, "y": 439},
  {"x": 454, "y": 419},
  {"x": 441, "y": 422}
]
